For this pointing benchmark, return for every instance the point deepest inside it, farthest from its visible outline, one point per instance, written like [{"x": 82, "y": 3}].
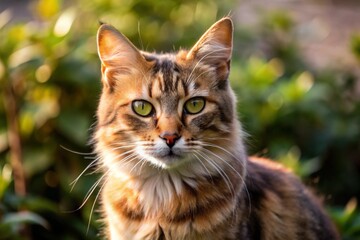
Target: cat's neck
[
  {"x": 172, "y": 195},
  {"x": 156, "y": 189}
]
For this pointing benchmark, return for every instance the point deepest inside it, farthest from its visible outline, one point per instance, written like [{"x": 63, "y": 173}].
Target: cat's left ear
[{"x": 215, "y": 45}]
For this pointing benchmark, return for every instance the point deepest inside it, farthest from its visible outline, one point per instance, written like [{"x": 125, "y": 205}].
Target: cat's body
[{"x": 175, "y": 166}]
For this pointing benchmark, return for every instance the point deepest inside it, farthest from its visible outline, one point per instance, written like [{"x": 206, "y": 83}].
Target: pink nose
[{"x": 170, "y": 138}]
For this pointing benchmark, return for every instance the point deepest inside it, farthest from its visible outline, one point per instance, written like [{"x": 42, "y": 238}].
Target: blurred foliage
[
  {"x": 306, "y": 118},
  {"x": 347, "y": 219},
  {"x": 355, "y": 45}
]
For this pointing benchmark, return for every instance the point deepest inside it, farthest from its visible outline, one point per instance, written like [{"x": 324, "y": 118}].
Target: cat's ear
[
  {"x": 215, "y": 45},
  {"x": 117, "y": 54}
]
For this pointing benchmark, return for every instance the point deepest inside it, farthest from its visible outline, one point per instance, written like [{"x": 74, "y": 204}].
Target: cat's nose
[{"x": 170, "y": 138}]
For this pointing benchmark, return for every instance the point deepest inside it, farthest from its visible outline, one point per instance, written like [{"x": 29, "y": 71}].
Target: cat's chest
[{"x": 144, "y": 212}]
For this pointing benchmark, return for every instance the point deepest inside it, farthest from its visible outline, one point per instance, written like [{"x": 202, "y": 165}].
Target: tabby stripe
[
  {"x": 177, "y": 82},
  {"x": 207, "y": 205},
  {"x": 185, "y": 87},
  {"x": 109, "y": 120},
  {"x": 203, "y": 121},
  {"x": 135, "y": 122},
  {"x": 255, "y": 229},
  {"x": 216, "y": 204},
  {"x": 167, "y": 71},
  {"x": 111, "y": 116},
  {"x": 161, "y": 85},
  {"x": 221, "y": 84},
  {"x": 150, "y": 89},
  {"x": 134, "y": 215}
]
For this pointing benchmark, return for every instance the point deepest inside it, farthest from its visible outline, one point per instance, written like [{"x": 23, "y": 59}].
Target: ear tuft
[{"x": 101, "y": 22}]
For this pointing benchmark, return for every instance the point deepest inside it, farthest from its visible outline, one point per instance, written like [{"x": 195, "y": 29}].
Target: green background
[{"x": 305, "y": 117}]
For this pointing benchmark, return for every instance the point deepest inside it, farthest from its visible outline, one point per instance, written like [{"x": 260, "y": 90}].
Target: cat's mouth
[
  {"x": 169, "y": 159},
  {"x": 171, "y": 153}
]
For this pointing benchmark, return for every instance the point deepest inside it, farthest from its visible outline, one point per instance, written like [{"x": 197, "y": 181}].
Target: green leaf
[
  {"x": 75, "y": 126},
  {"x": 355, "y": 45},
  {"x": 24, "y": 217},
  {"x": 39, "y": 204},
  {"x": 5, "y": 179},
  {"x": 37, "y": 160}
]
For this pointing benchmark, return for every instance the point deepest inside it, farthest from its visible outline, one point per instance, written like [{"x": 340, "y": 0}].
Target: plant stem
[{"x": 14, "y": 138}]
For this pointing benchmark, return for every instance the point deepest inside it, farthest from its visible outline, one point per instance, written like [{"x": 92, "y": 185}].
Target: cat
[{"x": 172, "y": 154}]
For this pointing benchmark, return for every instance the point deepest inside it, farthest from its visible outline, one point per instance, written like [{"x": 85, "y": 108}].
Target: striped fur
[{"x": 202, "y": 186}]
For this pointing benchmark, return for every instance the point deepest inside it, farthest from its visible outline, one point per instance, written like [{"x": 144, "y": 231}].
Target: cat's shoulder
[
  {"x": 267, "y": 169},
  {"x": 279, "y": 200},
  {"x": 266, "y": 179}
]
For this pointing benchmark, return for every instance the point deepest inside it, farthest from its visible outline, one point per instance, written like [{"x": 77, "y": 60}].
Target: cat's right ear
[{"x": 117, "y": 54}]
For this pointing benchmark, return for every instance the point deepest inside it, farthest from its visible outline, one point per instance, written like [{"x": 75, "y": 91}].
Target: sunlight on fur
[{"x": 171, "y": 153}]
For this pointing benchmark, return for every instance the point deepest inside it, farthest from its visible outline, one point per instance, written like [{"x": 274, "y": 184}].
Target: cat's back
[{"x": 280, "y": 207}]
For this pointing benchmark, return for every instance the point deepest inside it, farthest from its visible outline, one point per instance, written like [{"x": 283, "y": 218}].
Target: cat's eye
[
  {"x": 194, "y": 105},
  {"x": 142, "y": 108}
]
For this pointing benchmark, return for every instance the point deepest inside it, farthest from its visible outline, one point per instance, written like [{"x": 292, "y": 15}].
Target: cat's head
[{"x": 166, "y": 110}]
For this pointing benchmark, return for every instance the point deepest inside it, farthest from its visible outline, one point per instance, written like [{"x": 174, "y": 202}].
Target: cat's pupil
[{"x": 142, "y": 108}]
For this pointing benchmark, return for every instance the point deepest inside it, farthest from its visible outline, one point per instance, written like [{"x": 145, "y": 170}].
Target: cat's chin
[{"x": 169, "y": 161}]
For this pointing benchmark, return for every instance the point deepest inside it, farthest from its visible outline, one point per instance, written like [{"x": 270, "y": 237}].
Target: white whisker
[
  {"x": 206, "y": 144},
  {"x": 223, "y": 160},
  {"x": 139, "y": 161},
  {"x": 206, "y": 169},
  {"x": 219, "y": 170},
  {"x": 73, "y": 183},
  {"x": 76, "y": 152},
  {"x": 93, "y": 205},
  {"x": 90, "y": 192},
  {"x": 239, "y": 175}
]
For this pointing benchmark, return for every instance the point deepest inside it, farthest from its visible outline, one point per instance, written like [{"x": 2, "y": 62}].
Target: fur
[{"x": 203, "y": 185}]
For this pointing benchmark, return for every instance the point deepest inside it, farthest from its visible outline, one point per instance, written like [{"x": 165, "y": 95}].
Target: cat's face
[{"x": 167, "y": 110}]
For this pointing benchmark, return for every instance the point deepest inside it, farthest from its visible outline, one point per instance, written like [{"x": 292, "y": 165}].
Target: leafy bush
[{"x": 50, "y": 79}]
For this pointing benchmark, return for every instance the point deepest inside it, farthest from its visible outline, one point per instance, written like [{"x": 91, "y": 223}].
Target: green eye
[
  {"x": 142, "y": 108},
  {"x": 194, "y": 105}
]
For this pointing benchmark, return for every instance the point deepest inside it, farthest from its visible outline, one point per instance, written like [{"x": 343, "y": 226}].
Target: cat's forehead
[
  {"x": 166, "y": 78},
  {"x": 171, "y": 75},
  {"x": 164, "y": 63}
]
